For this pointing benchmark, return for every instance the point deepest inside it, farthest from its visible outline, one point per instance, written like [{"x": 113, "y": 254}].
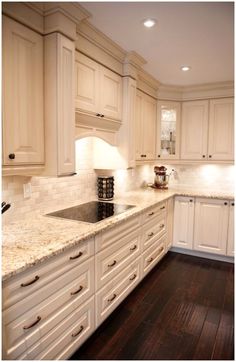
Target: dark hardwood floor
[{"x": 183, "y": 310}]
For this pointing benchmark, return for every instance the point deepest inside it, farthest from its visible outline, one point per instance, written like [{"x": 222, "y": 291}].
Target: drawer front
[
  {"x": 28, "y": 328},
  {"x": 153, "y": 230},
  {"x": 116, "y": 233},
  {"x": 153, "y": 255},
  {"x": 26, "y": 283},
  {"x": 112, "y": 260},
  {"x": 67, "y": 337},
  {"x": 154, "y": 211},
  {"x": 110, "y": 296}
]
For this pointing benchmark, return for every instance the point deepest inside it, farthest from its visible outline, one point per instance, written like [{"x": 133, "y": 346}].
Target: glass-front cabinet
[{"x": 168, "y": 129}]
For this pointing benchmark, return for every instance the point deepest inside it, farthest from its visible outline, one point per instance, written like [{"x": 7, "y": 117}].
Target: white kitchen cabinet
[
  {"x": 168, "y": 130},
  {"x": 194, "y": 130},
  {"x": 59, "y": 105},
  {"x": 153, "y": 254},
  {"x": 207, "y": 130},
  {"x": 221, "y": 129},
  {"x": 183, "y": 222},
  {"x": 170, "y": 220},
  {"x": 23, "y": 106},
  {"x": 230, "y": 244},
  {"x": 98, "y": 89},
  {"x": 145, "y": 127},
  {"x": 211, "y": 225}
]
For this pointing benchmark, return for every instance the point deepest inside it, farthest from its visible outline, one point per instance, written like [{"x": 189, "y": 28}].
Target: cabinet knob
[
  {"x": 225, "y": 203},
  {"x": 98, "y": 114},
  {"x": 158, "y": 155},
  {"x": 12, "y": 156},
  {"x": 190, "y": 200},
  {"x": 203, "y": 156},
  {"x": 232, "y": 204},
  {"x": 210, "y": 156},
  {"x": 102, "y": 115}
]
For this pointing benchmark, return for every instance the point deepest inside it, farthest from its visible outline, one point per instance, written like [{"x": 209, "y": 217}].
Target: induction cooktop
[{"x": 91, "y": 212}]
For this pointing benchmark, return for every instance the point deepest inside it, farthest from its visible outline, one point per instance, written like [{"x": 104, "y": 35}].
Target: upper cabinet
[
  {"x": 98, "y": 89},
  {"x": 145, "y": 126},
  {"x": 207, "y": 130},
  {"x": 23, "y": 107},
  {"x": 168, "y": 129}
]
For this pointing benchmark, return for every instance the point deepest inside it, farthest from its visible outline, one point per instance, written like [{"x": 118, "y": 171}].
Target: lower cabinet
[
  {"x": 183, "y": 222},
  {"x": 230, "y": 245}
]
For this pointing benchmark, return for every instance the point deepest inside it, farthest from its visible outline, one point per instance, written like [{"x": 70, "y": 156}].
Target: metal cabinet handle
[
  {"x": 161, "y": 226},
  {"x": 151, "y": 213},
  {"x": 12, "y": 156},
  {"x": 158, "y": 155},
  {"x": 112, "y": 264},
  {"x": 150, "y": 260},
  {"x": 76, "y": 256},
  {"x": 210, "y": 156},
  {"x": 102, "y": 115},
  {"x": 33, "y": 324},
  {"x": 162, "y": 208},
  {"x": 203, "y": 156},
  {"x": 133, "y": 248},
  {"x": 77, "y": 333},
  {"x": 133, "y": 277},
  {"x": 225, "y": 203},
  {"x": 112, "y": 298},
  {"x": 161, "y": 249},
  {"x": 31, "y": 282},
  {"x": 232, "y": 204},
  {"x": 151, "y": 234},
  {"x": 77, "y": 291},
  {"x": 98, "y": 114},
  {"x": 190, "y": 200}
]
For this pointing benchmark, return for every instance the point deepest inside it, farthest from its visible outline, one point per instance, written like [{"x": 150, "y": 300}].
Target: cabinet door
[
  {"x": 110, "y": 94},
  {"x": 139, "y": 126},
  {"x": 168, "y": 130},
  {"x": 23, "y": 125},
  {"x": 210, "y": 225},
  {"x": 149, "y": 127},
  {"x": 230, "y": 245},
  {"x": 194, "y": 130},
  {"x": 170, "y": 218},
  {"x": 183, "y": 222},
  {"x": 86, "y": 84},
  {"x": 221, "y": 129}
]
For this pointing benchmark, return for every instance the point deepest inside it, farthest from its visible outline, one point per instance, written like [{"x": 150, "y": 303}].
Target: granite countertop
[{"x": 30, "y": 242}]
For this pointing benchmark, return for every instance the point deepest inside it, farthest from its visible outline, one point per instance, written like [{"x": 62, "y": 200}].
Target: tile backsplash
[{"x": 48, "y": 193}]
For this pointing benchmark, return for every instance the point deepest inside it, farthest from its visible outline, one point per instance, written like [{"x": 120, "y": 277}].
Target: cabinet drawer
[
  {"x": 38, "y": 276},
  {"x": 115, "y": 258},
  {"x": 154, "y": 211},
  {"x": 153, "y": 254},
  {"x": 116, "y": 233},
  {"x": 153, "y": 230},
  {"x": 110, "y": 296},
  {"x": 71, "y": 290},
  {"x": 66, "y": 338}
]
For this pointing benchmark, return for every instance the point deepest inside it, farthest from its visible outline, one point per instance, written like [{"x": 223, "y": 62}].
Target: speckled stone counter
[{"x": 29, "y": 242}]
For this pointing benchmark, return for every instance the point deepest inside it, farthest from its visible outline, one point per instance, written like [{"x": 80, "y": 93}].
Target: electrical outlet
[{"x": 27, "y": 190}]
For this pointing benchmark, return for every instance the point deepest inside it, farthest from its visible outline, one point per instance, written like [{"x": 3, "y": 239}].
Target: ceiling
[{"x": 199, "y": 34}]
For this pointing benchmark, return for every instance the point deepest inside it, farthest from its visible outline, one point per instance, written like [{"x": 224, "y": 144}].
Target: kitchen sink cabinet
[
  {"x": 207, "y": 130},
  {"x": 230, "y": 243},
  {"x": 23, "y": 115},
  {"x": 211, "y": 225},
  {"x": 183, "y": 222},
  {"x": 145, "y": 127}
]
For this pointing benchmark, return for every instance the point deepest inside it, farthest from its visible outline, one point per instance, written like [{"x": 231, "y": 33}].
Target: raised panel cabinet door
[
  {"x": 149, "y": 127},
  {"x": 221, "y": 129},
  {"x": 139, "y": 126},
  {"x": 23, "y": 123},
  {"x": 86, "y": 84},
  {"x": 66, "y": 111},
  {"x": 230, "y": 244},
  {"x": 110, "y": 94},
  {"x": 170, "y": 219},
  {"x": 194, "y": 130},
  {"x": 183, "y": 222},
  {"x": 211, "y": 225}
]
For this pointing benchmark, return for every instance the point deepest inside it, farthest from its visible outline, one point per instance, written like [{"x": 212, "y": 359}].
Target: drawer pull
[
  {"x": 162, "y": 208},
  {"x": 33, "y": 324},
  {"x": 31, "y": 282},
  {"x": 150, "y": 235},
  {"x": 150, "y": 260},
  {"x": 161, "y": 226},
  {"x": 76, "y": 256},
  {"x": 77, "y": 291},
  {"x": 151, "y": 213},
  {"x": 77, "y": 333},
  {"x": 133, "y": 277},
  {"x": 112, "y": 298},
  {"x": 161, "y": 249},
  {"x": 133, "y": 248},
  {"x": 112, "y": 264}
]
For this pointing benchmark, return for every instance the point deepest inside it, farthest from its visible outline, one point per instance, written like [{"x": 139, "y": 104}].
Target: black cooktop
[{"x": 91, "y": 212}]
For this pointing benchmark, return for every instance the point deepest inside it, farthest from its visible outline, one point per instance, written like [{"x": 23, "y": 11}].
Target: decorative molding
[
  {"x": 22, "y": 170},
  {"x": 147, "y": 83}
]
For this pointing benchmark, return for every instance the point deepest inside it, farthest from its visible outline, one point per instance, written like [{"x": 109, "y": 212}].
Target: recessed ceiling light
[
  {"x": 149, "y": 22},
  {"x": 185, "y": 68}
]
